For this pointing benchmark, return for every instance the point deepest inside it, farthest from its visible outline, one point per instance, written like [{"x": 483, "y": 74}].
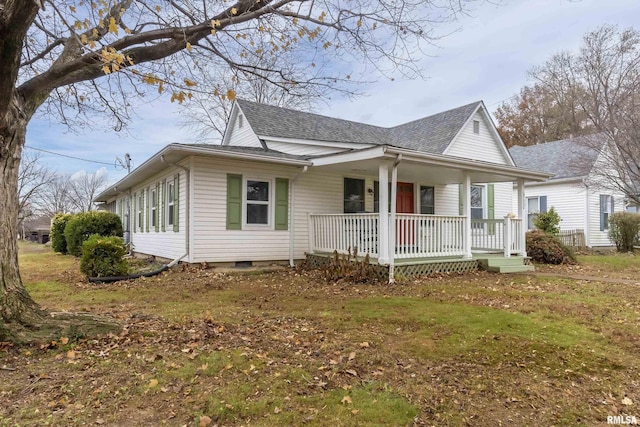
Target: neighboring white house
[
  {"x": 285, "y": 183},
  {"x": 577, "y": 191}
]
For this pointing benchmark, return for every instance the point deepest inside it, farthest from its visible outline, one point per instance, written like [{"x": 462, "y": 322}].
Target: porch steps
[{"x": 501, "y": 264}]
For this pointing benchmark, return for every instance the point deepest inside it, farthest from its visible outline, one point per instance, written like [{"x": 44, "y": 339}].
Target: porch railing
[
  {"x": 420, "y": 236},
  {"x": 344, "y": 232},
  {"x": 497, "y": 235},
  {"x": 417, "y": 236}
]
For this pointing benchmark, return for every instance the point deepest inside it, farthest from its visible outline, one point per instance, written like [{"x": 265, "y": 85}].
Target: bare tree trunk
[{"x": 15, "y": 303}]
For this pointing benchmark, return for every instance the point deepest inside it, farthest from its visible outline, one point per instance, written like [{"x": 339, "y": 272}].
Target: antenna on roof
[{"x": 124, "y": 164}]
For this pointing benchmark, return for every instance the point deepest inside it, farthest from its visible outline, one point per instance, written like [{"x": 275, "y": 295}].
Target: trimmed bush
[
  {"x": 547, "y": 249},
  {"x": 103, "y": 256},
  {"x": 623, "y": 230},
  {"x": 549, "y": 222},
  {"x": 58, "y": 241},
  {"x": 84, "y": 224}
]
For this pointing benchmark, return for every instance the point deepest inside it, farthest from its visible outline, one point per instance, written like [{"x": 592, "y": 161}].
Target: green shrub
[
  {"x": 549, "y": 222},
  {"x": 58, "y": 241},
  {"x": 547, "y": 249},
  {"x": 84, "y": 224},
  {"x": 103, "y": 256},
  {"x": 623, "y": 230}
]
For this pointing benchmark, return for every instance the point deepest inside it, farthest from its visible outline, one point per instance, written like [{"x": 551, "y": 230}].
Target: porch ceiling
[{"x": 410, "y": 171}]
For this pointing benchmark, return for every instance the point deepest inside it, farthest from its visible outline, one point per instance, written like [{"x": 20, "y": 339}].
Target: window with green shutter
[
  {"x": 176, "y": 202},
  {"x": 234, "y": 202},
  {"x": 282, "y": 204},
  {"x": 163, "y": 198}
]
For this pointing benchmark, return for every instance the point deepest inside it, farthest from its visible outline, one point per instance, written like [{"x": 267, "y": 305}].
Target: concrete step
[
  {"x": 498, "y": 261},
  {"x": 511, "y": 268}
]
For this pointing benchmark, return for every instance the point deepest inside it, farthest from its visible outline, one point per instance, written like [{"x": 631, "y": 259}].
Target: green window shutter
[
  {"x": 157, "y": 205},
  {"x": 163, "y": 217},
  {"x": 491, "y": 208},
  {"x": 460, "y": 208},
  {"x": 234, "y": 202},
  {"x": 176, "y": 200},
  {"x": 135, "y": 211},
  {"x": 147, "y": 211},
  {"x": 282, "y": 204}
]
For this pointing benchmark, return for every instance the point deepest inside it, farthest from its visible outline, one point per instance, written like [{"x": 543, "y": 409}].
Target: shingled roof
[
  {"x": 567, "y": 158},
  {"x": 431, "y": 134},
  {"x": 246, "y": 150}
]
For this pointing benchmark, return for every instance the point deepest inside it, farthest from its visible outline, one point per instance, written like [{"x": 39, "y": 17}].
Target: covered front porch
[{"x": 405, "y": 231}]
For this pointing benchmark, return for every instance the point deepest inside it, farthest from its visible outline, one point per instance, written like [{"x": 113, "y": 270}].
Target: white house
[
  {"x": 286, "y": 183},
  {"x": 577, "y": 190}
]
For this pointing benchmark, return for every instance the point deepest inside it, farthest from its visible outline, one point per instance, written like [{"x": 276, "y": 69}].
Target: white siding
[
  {"x": 242, "y": 136},
  {"x": 167, "y": 244},
  {"x": 568, "y": 199},
  {"x": 211, "y": 241},
  {"x": 302, "y": 149},
  {"x": 483, "y": 146},
  {"x": 597, "y": 237},
  {"x": 447, "y": 199}
]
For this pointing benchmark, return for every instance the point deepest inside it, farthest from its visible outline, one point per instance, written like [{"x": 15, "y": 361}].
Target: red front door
[
  {"x": 404, "y": 198},
  {"x": 404, "y": 204}
]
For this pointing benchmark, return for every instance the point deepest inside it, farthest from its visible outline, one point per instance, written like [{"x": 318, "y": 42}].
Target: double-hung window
[
  {"x": 140, "y": 210},
  {"x": 257, "y": 202},
  {"x": 606, "y": 209},
  {"x": 477, "y": 204},
  {"x": 170, "y": 202},
  {"x": 154, "y": 207},
  {"x": 353, "y": 195},
  {"x": 427, "y": 200},
  {"x": 533, "y": 209}
]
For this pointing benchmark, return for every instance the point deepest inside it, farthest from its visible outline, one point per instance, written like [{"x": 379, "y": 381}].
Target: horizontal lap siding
[
  {"x": 212, "y": 242},
  {"x": 568, "y": 200},
  {"x": 597, "y": 237},
  {"x": 483, "y": 146},
  {"x": 243, "y": 136},
  {"x": 167, "y": 244},
  {"x": 448, "y": 202},
  {"x": 319, "y": 193}
]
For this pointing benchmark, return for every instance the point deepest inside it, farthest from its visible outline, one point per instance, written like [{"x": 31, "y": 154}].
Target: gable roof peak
[{"x": 431, "y": 134}]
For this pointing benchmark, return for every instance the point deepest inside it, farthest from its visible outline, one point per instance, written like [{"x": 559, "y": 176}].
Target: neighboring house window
[
  {"x": 476, "y": 127},
  {"x": 535, "y": 205},
  {"x": 170, "y": 199},
  {"x": 427, "y": 200},
  {"x": 140, "y": 210},
  {"x": 154, "y": 208},
  {"x": 353, "y": 195},
  {"x": 606, "y": 209},
  {"x": 257, "y": 202},
  {"x": 240, "y": 121}
]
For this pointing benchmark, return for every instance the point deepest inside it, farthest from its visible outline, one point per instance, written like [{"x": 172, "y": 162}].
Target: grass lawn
[{"x": 200, "y": 347}]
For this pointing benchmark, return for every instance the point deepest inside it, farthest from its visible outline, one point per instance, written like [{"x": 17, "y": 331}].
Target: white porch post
[
  {"x": 392, "y": 220},
  {"x": 522, "y": 213},
  {"x": 466, "y": 211},
  {"x": 507, "y": 236},
  {"x": 383, "y": 220}
]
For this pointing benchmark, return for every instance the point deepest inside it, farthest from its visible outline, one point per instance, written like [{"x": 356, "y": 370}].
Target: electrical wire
[{"x": 68, "y": 156}]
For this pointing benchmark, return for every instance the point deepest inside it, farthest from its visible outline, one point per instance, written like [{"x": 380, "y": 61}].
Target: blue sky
[{"x": 485, "y": 58}]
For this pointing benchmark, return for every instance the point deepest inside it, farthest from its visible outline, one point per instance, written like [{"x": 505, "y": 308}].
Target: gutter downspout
[
  {"x": 291, "y": 215},
  {"x": 187, "y": 207},
  {"x": 392, "y": 218}
]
